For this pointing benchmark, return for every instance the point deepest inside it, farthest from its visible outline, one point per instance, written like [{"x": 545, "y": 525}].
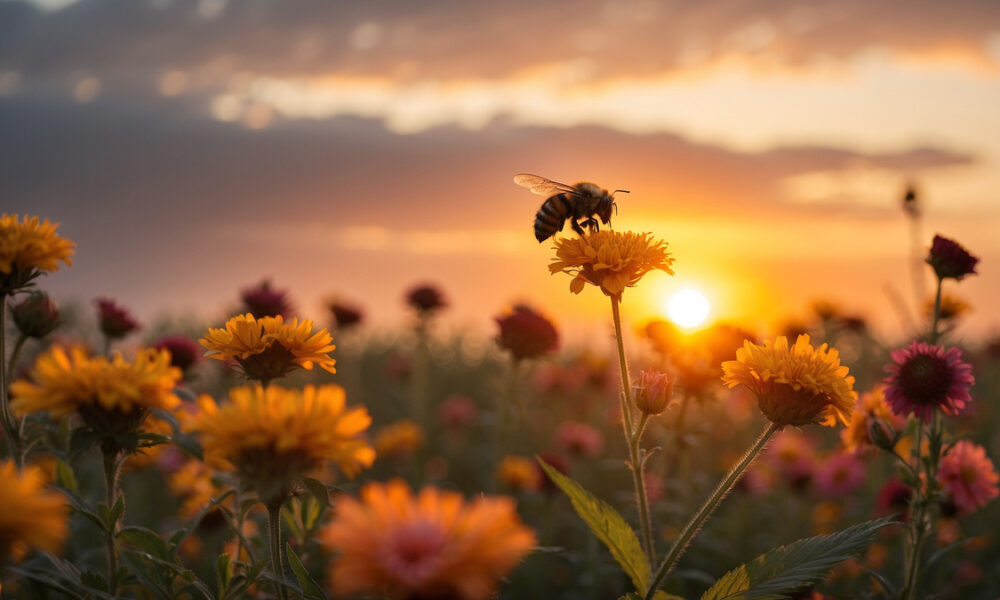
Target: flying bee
[{"x": 574, "y": 202}]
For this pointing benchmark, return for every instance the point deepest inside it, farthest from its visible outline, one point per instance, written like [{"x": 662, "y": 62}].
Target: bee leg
[{"x": 576, "y": 227}]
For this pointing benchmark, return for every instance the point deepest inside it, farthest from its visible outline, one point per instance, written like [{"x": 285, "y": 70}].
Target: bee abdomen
[{"x": 551, "y": 216}]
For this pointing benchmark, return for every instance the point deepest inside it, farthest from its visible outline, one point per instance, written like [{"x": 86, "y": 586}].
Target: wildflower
[
  {"x": 426, "y": 299},
  {"x": 871, "y": 411},
  {"x": 265, "y": 301},
  {"x": 519, "y": 473},
  {"x": 611, "y": 260},
  {"x": 951, "y": 308},
  {"x": 112, "y": 396},
  {"x": 841, "y": 475},
  {"x": 924, "y": 378},
  {"x": 268, "y": 348},
  {"x": 526, "y": 334},
  {"x": 36, "y": 316},
  {"x": 457, "y": 412},
  {"x": 653, "y": 393},
  {"x": 793, "y": 455},
  {"x": 894, "y": 497},
  {"x": 432, "y": 545},
  {"x": 192, "y": 483},
  {"x": 30, "y": 516},
  {"x": 950, "y": 260},
  {"x": 27, "y": 249},
  {"x": 794, "y": 385},
  {"x": 399, "y": 439},
  {"x": 968, "y": 476},
  {"x": 345, "y": 315},
  {"x": 114, "y": 320},
  {"x": 183, "y": 350},
  {"x": 273, "y": 437},
  {"x": 579, "y": 439}
]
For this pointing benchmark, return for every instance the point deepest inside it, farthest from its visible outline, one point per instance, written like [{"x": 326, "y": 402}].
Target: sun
[{"x": 688, "y": 308}]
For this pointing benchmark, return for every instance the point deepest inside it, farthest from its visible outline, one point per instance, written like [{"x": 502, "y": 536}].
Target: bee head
[{"x": 606, "y": 213}]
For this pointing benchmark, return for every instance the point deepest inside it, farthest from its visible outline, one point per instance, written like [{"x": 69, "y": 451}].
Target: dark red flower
[
  {"x": 526, "y": 334},
  {"x": 950, "y": 260},
  {"x": 266, "y": 301},
  {"x": 426, "y": 298},
  {"x": 36, "y": 316},
  {"x": 115, "y": 320},
  {"x": 345, "y": 315},
  {"x": 894, "y": 497},
  {"x": 924, "y": 378},
  {"x": 184, "y": 352}
]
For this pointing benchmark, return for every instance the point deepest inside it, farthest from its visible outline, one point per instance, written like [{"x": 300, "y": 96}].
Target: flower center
[
  {"x": 414, "y": 553},
  {"x": 925, "y": 379}
]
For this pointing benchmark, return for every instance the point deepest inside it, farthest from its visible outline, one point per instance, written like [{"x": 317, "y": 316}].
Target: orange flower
[
  {"x": 30, "y": 515},
  {"x": 269, "y": 347},
  {"x": 871, "y": 406},
  {"x": 611, "y": 260},
  {"x": 433, "y": 545},
  {"x": 399, "y": 439},
  {"x": 273, "y": 437},
  {"x": 794, "y": 385},
  {"x": 519, "y": 473},
  {"x": 27, "y": 248}
]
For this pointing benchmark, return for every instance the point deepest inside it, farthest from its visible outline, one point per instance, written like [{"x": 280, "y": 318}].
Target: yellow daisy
[
  {"x": 794, "y": 385},
  {"x": 273, "y": 437},
  {"x": 269, "y": 347},
  {"x": 112, "y": 396},
  {"x": 30, "y": 515},
  {"x": 611, "y": 260},
  {"x": 28, "y": 248}
]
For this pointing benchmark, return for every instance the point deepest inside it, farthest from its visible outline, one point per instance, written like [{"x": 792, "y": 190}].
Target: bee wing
[{"x": 540, "y": 185}]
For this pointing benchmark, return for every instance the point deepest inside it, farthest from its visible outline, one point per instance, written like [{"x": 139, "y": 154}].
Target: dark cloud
[{"x": 454, "y": 38}]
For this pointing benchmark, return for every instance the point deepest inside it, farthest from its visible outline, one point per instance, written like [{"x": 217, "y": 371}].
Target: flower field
[{"x": 280, "y": 455}]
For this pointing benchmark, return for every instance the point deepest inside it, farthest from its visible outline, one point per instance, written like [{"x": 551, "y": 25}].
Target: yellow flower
[
  {"x": 399, "y": 439},
  {"x": 273, "y": 437},
  {"x": 193, "y": 484},
  {"x": 432, "y": 545},
  {"x": 27, "y": 248},
  {"x": 519, "y": 473},
  {"x": 871, "y": 406},
  {"x": 267, "y": 348},
  {"x": 112, "y": 396},
  {"x": 794, "y": 385},
  {"x": 610, "y": 259},
  {"x": 30, "y": 515}
]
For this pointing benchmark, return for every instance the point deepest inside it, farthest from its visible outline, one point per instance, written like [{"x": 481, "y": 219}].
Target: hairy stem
[
  {"x": 112, "y": 468},
  {"x": 274, "y": 537},
  {"x": 694, "y": 525}
]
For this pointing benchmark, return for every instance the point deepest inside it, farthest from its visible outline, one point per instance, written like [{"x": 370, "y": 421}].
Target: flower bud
[
  {"x": 36, "y": 316},
  {"x": 652, "y": 394},
  {"x": 882, "y": 434}
]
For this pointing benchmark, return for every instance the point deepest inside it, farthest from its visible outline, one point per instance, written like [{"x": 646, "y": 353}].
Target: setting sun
[{"x": 688, "y": 308}]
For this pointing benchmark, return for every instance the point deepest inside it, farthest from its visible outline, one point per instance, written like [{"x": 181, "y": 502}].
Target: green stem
[
  {"x": 274, "y": 536},
  {"x": 633, "y": 437},
  {"x": 112, "y": 468},
  {"x": 694, "y": 525},
  {"x": 918, "y": 527},
  {"x": 5, "y": 414},
  {"x": 17, "y": 424},
  {"x": 937, "y": 312}
]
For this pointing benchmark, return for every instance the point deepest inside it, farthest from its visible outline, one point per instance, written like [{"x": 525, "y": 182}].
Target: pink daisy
[
  {"x": 841, "y": 475},
  {"x": 967, "y": 474},
  {"x": 579, "y": 439},
  {"x": 924, "y": 378}
]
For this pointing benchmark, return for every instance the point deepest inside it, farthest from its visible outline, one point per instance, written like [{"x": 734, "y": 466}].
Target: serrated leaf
[
  {"x": 786, "y": 568},
  {"x": 609, "y": 526},
  {"x": 146, "y": 540},
  {"x": 65, "y": 477},
  {"x": 306, "y": 582}
]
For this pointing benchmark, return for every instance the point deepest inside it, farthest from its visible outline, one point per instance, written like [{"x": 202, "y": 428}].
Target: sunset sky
[{"x": 191, "y": 148}]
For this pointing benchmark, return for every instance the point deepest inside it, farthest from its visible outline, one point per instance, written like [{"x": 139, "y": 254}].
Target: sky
[{"x": 192, "y": 148}]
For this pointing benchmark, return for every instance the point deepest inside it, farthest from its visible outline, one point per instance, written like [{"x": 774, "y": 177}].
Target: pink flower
[
  {"x": 579, "y": 439},
  {"x": 841, "y": 475},
  {"x": 793, "y": 455},
  {"x": 652, "y": 394},
  {"x": 526, "y": 333},
  {"x": 967, "y": 474},
  {"x": 924, "y": 378},
  {"x": 894, "y": 497},
  {"x": 457, "y": 412}
]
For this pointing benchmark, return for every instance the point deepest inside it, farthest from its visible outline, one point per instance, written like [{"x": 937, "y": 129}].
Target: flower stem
[
  {"x": 694, "y": 525},
  {"x": 112, "y": 468},
  {"x": 506, "y": 405},
  {"x": 633, "y": 437},
  {"x": 274, "y": 536},
  {"x": 937, "y": 313}
]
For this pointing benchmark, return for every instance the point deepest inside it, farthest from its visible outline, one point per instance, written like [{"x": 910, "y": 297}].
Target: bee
[{"x": 574, "y": 202}]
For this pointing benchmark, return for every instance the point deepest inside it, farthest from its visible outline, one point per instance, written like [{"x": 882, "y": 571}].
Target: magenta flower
[
  {"x": 266, "y": 301},
  {"x": 894, "y": 497},
  {"x": 115, "y": 321},
  {"x": 950, "y": 260},
  {"x": 841, "y": 475},
  {"x": 925, "y": 378},
  {"x": 968, "y": 476},
  {"x": 184, "y": 351},
  {"x": 526, "y": 333}
]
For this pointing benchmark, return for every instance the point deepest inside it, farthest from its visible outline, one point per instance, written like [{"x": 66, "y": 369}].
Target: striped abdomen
[{"x": 551, "y": 217}]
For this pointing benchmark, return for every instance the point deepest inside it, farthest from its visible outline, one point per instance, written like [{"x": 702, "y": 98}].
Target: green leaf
[
  {"x": 659, "y": 595},
  {"x": 65, "y": 476},
  {"x": 772, "y": 575},
  {"x": 146, "y": 540},
  {"x": 609, "y": 526},
  {"x": 318, "y": 490},
  {"x": 83, "y": 439},
  {"x": 223, "y": 573},
  {"x": 306, "y": 582}
]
